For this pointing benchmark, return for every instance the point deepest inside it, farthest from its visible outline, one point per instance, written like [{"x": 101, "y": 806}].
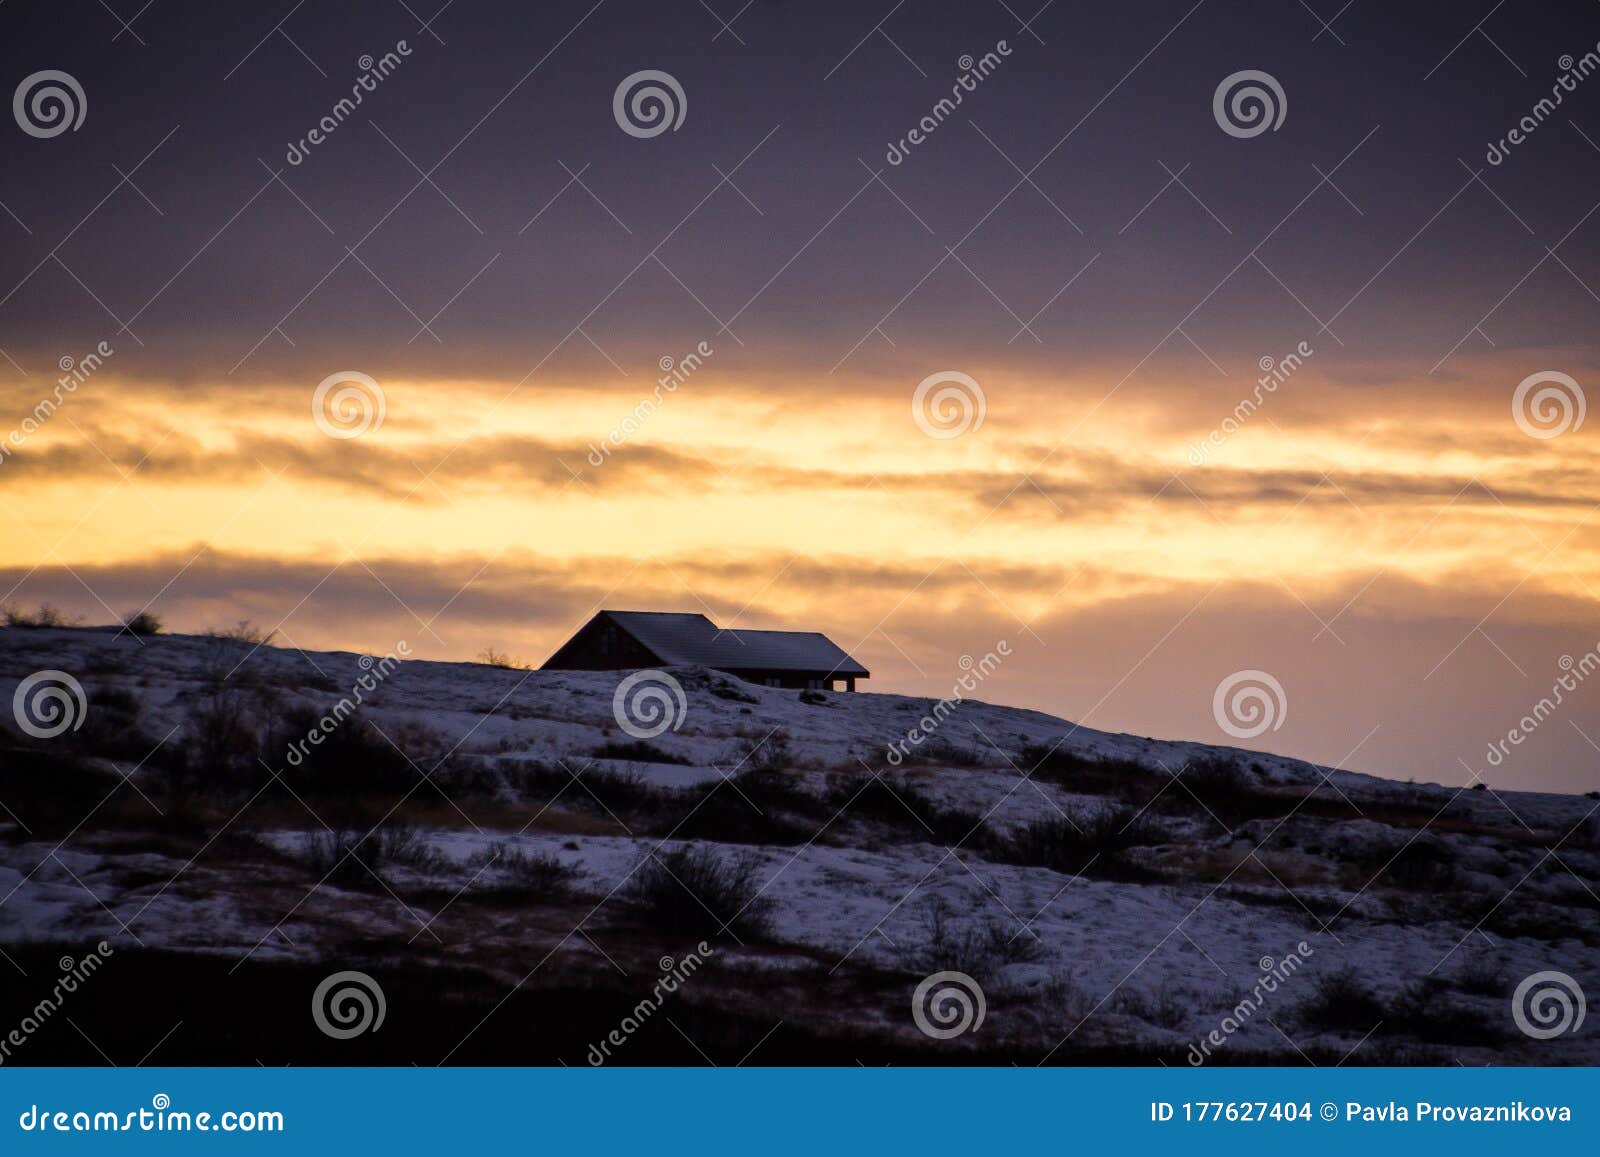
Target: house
[{"x": 627, "y": 640}]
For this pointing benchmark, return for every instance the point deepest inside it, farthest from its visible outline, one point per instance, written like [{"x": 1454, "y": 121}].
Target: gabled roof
[{"x": 689, "y": 639}]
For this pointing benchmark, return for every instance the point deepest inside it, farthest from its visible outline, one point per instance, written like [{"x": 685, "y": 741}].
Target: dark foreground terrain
[{"x": 514, "y": 878}]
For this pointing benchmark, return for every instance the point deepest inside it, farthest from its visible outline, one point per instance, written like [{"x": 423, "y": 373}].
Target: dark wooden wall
[{"x": 602, "y": 646}]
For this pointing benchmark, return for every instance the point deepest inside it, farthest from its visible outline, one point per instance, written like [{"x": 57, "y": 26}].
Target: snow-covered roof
[{"x": 690, "y": 639}]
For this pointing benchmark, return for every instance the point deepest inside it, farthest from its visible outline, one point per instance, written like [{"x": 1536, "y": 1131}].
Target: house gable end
[{"x": 602, "y": 644}]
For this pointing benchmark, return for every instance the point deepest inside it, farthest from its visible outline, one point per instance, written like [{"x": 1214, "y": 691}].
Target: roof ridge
[
  {"x": 678, "y": 614},
  {"x": 678, "y": 637}
]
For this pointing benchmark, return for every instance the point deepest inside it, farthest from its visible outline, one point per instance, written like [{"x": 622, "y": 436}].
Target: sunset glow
[{"x": 1252, "y": 416}]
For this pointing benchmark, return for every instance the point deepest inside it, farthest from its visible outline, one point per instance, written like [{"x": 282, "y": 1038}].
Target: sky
[{"x": 1165, "y": 391}]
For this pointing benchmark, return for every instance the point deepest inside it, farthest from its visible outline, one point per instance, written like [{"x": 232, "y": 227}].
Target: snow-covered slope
[{"x": 1152, "y": 944}]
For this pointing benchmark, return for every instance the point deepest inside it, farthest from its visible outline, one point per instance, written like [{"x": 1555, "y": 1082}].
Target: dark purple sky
[{"x": 514, "y": 92}]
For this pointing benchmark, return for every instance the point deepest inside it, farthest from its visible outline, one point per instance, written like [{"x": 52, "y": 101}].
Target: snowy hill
[{"x": 510, "y": 854}]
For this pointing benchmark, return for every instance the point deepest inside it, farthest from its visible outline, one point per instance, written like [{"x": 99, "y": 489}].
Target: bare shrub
[
  {"x": 978, "y": 949},
  {"x": 1427, "y": 1011},
  {"x": 352, "y": 756},
  {"x": 332, "y": 854},
  {"x": 222, "y": 744},
  {"x": 111, "y": 725},
  {"x": 352, "y": 856},
  {"x": 244, "y": 631},
  {"x": 1481, "y": 977},
  {"x": 751, "y": 808},
  {"x": 404, "y": 845},
  {"x": 226, "y": 734},
  {"x": 1164, "y": 1008},
  {"x": 1052, "y": 763},
  {"x": 1341, "y": 1001},
  {"x": 142, "y": 623},
  {"x": 1216, "y": 776},
  {"x": 1424, "y": 863},
  {"x": 1089, "y": 841},
  {"x": 639, "y": 751},
  {"x": 534, "y": 874},
  {"x": 46, "y": 616},
  {"x": 692, "y": 891},
  {"x": 948, "y": 753},
  {"x": 609, "y": 792},
  {"x": 907, "y": 810},
  {"x": 227, "y": 651},
  {"x": 766, "y": 754}
]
